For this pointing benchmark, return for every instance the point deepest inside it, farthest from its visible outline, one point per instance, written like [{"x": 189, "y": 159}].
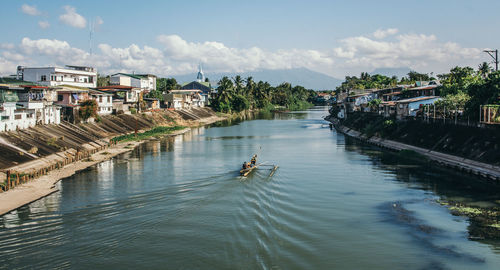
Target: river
[{"x": 178, "y": 203}]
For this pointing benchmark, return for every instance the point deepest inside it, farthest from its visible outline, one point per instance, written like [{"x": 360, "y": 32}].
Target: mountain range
[{"x": 297, "y": 76}]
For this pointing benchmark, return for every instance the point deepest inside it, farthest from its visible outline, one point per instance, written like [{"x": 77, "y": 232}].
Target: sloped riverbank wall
[
  {"x": 469, "y": 149},
  {"x": 30, "y": 153}
]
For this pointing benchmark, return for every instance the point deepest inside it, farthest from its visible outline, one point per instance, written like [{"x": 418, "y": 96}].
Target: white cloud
[
  {"x": 30, "y": 10},
  {"x": 383, "y": 33},
  {"x": 71, "y": 18},
  {"x": 173, "y": 55},
  {"x": 221, "y": 58},
  {"x": 44, "y": 24},
  {"x": 416, "y": 51}
]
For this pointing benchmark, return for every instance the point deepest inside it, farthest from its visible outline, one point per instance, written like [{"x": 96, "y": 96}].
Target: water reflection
[{"x": 450, "y": 186}]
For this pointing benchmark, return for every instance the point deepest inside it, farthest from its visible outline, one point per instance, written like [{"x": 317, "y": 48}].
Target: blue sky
[{"x": 337, "y": 38}]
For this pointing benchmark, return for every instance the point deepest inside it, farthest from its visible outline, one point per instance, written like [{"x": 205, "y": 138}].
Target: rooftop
[
  {"x": 135, "y": 76},
  {"x": 7, "y": 80},
  {"x": 410, "y": 100}
]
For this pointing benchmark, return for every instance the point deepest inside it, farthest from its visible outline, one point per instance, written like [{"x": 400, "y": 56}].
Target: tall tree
[{"x": 484, "y": 69}]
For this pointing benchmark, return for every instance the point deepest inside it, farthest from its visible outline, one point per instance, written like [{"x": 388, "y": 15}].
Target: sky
[{"x": 167, "y": 38}]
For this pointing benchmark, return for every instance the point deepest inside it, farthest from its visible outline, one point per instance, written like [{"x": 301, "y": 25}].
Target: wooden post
[
  {"x": 480, "y": 112},
  {"x": 8, "y": 180},
  {"x": 489, "y": 114},
  {"x": 17, "y": 178}
]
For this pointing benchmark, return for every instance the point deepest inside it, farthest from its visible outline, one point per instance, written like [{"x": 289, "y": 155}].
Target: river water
[{"x": 178, "y": 203}]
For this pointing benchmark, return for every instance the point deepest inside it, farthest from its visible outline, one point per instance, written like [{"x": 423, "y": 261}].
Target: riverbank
[
  {"x": 45, "y": 172},
  {"x": 484, "y": 170}
]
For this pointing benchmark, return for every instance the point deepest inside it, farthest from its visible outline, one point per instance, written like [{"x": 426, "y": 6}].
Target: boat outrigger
[{"x": 248, "y": 167}]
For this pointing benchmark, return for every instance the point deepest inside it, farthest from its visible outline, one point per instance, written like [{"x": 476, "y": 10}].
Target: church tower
[{"x": 200, "y": 77}]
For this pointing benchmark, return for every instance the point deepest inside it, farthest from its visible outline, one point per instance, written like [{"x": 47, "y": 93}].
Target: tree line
[{"x": 238, "y": 94}]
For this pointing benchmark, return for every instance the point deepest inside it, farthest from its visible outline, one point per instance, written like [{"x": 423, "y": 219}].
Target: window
[
  {"x": 85, "y": 80},
  {"x": 91, "y": 79},
  {"x": 43, "y": 78},
  {"x": 100, "y": 99},
  {"x": 18, "y": 116},
  {"x": 109, "y": 99},
  {"x": 60, "y": 97},
  {"x": 5, "y": 117}
]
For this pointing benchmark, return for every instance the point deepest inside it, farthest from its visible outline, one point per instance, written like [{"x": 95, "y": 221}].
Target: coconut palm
[{"x": 484, "y": 69}]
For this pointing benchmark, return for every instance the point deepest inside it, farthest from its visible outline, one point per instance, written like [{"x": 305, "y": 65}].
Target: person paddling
[{"x": 254, "y": 160}]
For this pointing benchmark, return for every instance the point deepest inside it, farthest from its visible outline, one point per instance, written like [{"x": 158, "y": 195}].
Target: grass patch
[
  {"x": 105, "y": 153},
  {"x": 157, "y": 131},
  {"x": 464, "y": 210}
]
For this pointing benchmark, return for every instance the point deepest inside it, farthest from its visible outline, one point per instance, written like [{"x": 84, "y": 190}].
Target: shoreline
[
  {"x": 473, "y": 167},
  {"x": 44, "y": 185}
]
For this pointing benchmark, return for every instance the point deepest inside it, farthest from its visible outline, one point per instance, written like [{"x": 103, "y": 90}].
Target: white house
[
  {"x": 144, "y": 81},
  {"x": 184, "y": 99},
  {"x": 54, "y": 76},
  {"x": 12, "y": 117},
  {"x": 104, "y": 102},
  {"x": 40, "y": 99}
]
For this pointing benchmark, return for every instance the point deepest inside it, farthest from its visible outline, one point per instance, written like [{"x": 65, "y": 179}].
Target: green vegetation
[
  {"x": 157, "y": 131},
  {"x": 238, "y": 95},
  {"x": 163, "y": 85},
  {"x": 463, "y": 89},
  {"x": 102, "y": 80},
  {"x": 88, "y": 109}
]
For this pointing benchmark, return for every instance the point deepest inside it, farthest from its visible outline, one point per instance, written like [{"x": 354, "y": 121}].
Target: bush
[
  {"x": 88, "y": 109},
  {"x": 240, "y": 103}
]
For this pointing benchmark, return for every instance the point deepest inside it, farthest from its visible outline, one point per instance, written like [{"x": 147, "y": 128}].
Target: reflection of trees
[{"x": 466, "y": 190}]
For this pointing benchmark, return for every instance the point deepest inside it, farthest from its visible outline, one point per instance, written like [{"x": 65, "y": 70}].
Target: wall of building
[
  {"x": 51, "y": 76},
  {"x": 13, "y": 119}
]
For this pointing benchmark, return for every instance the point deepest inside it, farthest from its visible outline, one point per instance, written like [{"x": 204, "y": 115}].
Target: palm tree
[
  {"x": 484, "y": 69},
  {"x": 250, "y": 90},
  {"x": 225, "y": 91},
  {"x": 238, "y": 83}
]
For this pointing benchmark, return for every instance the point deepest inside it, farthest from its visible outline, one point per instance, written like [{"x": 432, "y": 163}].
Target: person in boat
[
  {"x": 245, "y": 165},
  {"x": 254, "y": 160}
]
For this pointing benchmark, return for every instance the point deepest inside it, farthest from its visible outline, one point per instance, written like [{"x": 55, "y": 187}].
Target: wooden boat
[{"x": 247, "y": 171}]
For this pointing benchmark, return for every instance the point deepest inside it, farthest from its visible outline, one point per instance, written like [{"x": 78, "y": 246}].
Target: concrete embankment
[
  {"x": 486, "y": 170},
  {"x": 33, "y": 160}
]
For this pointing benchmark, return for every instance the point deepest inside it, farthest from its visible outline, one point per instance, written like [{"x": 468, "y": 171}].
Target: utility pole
[{"x": 495, "y": 57}]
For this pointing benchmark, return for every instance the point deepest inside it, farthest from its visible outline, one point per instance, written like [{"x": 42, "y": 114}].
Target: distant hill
[
  {"x": 298, "y": 76},
  {"x": 389, "y": 72}
]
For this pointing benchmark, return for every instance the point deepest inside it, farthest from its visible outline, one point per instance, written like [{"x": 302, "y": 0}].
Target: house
[
  {"x": 104, "y": 101},
  {"x": 40, "y": 99},
  {"x": 145, "y": 82},
  {"x": 409, "y": 107},
  {"x": 183, "y": 99},
  {"x": 428, "y": 90},
  {"x": 387, "y": 108},
  {"x": 207, "y": 92},
  {"x": 152, "y": 103},
  {"x": 128, "y": 94},
  {"x": 70, "y": 98},
  {"x": 79, "y": 76},
  {"x": 13, "y": 117}
]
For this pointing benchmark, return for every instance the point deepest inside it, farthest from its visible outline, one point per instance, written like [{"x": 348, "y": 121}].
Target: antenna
[{"x": 91, "y": 30}]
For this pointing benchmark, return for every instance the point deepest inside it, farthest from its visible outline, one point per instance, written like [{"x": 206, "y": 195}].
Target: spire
[{"x": 200, "y": 77}]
